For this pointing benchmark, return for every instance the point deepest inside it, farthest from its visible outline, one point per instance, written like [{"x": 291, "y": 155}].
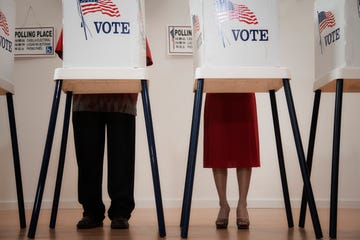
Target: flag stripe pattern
[
  {"x": 104, "y": 6},
  {"x": 3, "y": 23},
  {"x": 326, "y": 19},
  {"x": 196, "y": 23},
  {"x": 227, "y": 11}
]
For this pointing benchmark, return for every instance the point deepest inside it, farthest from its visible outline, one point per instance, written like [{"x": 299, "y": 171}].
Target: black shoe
[
  {"x": 89, "y": 222},
  {"x": 119, "y": 223}
]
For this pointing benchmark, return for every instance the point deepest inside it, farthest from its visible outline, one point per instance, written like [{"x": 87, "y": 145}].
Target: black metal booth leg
[
  {"x": 302, "y": 161},
  {"x": 196, "y": 116},
  {"x": 310, "y": 153},
  {"x": 45, "y": 160},
  {"x": 281, "y": 159},
  {"x": 189, "y": 181},
  {"x": 61, "y": 160},
  {"x": 335, "y": 158},
  {"x": 153, "y": 157},
  {"x": 16, "y": 158}
]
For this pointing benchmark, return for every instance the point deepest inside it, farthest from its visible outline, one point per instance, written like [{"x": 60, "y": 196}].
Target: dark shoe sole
[
  {"x": 88, "y": 222},
  {"x": 221, "y": 226},
  {"x": 119, "y": 227},
  {"x": 221, "y": 223},
  {"x": 243, "y": 223},
  {"x": 79, "y": 226},
  {"x": 243, "y": 226},
  {"x": 121, "y": 223}
]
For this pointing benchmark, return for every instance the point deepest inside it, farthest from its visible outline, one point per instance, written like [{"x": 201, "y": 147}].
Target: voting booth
[
  {"x": 7, "y": 29},
  {"x": 7, "y": 35},
  {"x": 337, "y": 69},
  {"x": 337, "y": 37},
  {"x": 104, "y": 51},
  {"x": 236, "y": 50}
]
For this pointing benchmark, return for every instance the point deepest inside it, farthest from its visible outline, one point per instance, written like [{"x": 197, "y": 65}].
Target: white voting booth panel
[
  {"x": 237, "y": 39},
  {"x": 235, "y": 33},
  {"x": 103, "y": 42},
  {"x": 104, "y": 36},
  {"x": 337, "y": 38},
  {"x": 7, "y": 29}
]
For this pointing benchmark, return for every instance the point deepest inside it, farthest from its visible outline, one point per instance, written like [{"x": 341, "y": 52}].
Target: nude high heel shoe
[
  {"x": 222, "y": 222},
  {"x": 243, "y": 223}
]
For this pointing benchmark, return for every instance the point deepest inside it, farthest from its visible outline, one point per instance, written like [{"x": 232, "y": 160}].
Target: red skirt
[{"x": 231, "y": 138}]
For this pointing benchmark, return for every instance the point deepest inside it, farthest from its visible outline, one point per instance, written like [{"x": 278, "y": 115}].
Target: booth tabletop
[
  {"x": 101, "y": 80},
  {"x": 241, "y": 79},
  {"x": 101, "y": 86},
  {"x": 351, "y": 77},
  {"x": 6, "y": 87}
]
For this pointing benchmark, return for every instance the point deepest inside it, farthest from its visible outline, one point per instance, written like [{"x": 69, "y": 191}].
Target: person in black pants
[
  {"x": 92, "y": 121},
  {"x": 94, "y": 117}
]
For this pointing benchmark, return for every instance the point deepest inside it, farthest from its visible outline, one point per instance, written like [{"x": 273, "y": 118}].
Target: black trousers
[{"x": 89, "y": 135}]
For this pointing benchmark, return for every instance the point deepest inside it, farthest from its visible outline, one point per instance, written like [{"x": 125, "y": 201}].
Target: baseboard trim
[{"x": 196, "y": 203}]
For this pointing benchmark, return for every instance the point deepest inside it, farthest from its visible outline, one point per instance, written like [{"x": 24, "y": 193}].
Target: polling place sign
[
  {"x": 34, "y": 42},
  {"x": 180, "y": 40}
]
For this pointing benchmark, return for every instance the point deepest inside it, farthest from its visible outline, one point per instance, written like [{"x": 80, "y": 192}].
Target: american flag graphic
[
  {"x": 196, "y": 23},
  {"x": 3, "y": 23},
  {"x": 104, "y": 6},
  {"x": 326, "y": 19},
  {"x": 227, "y": 11}
]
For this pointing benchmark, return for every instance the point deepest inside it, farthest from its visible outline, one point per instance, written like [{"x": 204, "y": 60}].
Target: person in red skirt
[{"x": 231, "y": 141}]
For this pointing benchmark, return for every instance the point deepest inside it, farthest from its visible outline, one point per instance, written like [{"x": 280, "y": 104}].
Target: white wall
[{"x": 171, "y": 100}]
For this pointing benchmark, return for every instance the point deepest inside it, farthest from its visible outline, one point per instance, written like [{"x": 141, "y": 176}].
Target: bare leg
[
  {"x": 243, "y": 176},
  {"x": 220, "y": 177}
]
